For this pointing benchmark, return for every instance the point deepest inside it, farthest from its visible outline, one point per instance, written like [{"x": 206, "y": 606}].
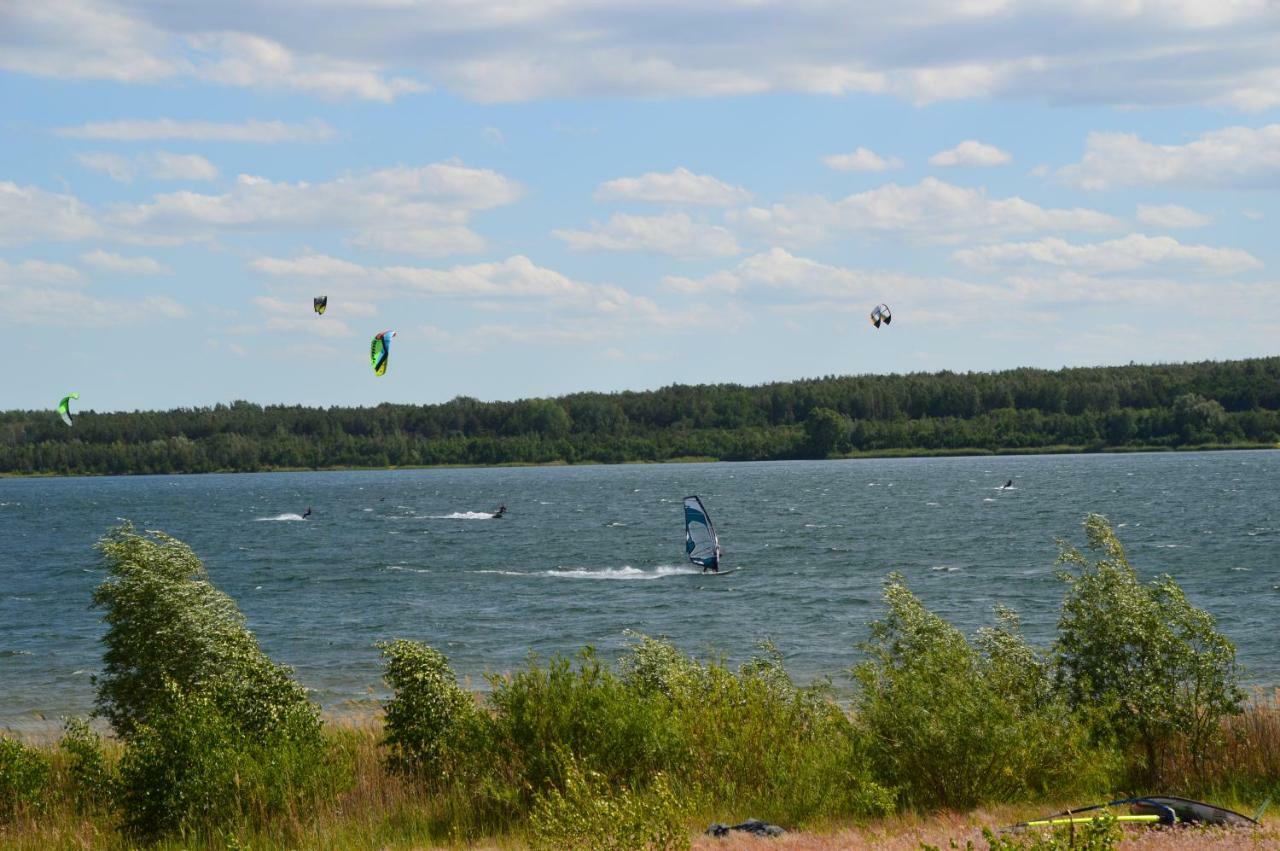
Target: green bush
[
  {"x": 24, "y": 777},
  {"x": 756, "y": 742},
  {"x": 167, "y": 623},
  {"x": 193, "y": 768},
  {"x": 588, "y": 813},
  {"x": 91, "y": 782},
  {"x": 432, "y": 726},
  {"x": 954, "y": 725},
  {"x": 585, "y": 710},
  {"x": 1146, "y": 663}
]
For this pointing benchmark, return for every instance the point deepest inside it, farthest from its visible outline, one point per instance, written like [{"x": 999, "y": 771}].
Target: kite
[
  {"x": 881, "y": 314},
  {"x": 380, "y": 352},
  {"x": 320, "y": 302},
  {"x": 64, "y": 407}
]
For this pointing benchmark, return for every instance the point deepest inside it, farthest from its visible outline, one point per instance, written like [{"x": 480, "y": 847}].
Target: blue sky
[{"x": 562, "y": 195}]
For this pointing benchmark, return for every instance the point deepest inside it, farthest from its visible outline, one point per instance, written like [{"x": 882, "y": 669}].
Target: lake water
[{"x": 586, "y": 553}]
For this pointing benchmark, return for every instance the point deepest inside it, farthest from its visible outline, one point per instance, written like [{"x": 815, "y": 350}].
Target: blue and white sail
[{"x": 700, "y": 540}]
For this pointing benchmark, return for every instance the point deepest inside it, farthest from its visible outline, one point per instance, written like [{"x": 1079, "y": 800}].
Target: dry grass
[{"x": 379, "y": 810}]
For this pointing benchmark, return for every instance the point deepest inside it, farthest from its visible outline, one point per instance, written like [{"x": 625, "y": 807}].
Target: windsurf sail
[
  {"x": 700, "y": 541},
  {"x": 1151, "y": 809},
  {"x": 64, "y": 407}
]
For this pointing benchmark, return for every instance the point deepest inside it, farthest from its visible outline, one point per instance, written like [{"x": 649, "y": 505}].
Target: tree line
[{"x": 1090, "y": 409}]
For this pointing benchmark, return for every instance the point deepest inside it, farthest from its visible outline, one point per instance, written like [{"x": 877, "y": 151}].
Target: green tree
[
  {"x": 1148, "y": 663},
  {"x": 168, "y": 627},
  {"x": 954, "y": 724},
  {"x": 826, "y": 431}
]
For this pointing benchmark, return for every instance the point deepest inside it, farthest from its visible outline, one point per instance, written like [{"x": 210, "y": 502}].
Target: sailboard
[
  {"x": 1150, "y": 809},
  {"x": 701, "y": 543}
]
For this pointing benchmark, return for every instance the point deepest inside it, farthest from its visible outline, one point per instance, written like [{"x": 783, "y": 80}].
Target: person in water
[{"x": 308, "y": 514}]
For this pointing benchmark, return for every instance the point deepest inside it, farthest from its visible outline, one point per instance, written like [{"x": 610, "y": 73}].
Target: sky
[{"x": 550, "y": 196}]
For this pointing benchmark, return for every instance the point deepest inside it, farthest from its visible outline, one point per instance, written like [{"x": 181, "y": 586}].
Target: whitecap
[
  {"x": 289, "y": 517},
  {"x": 406, "y": 568},
  {"x": 945, "y": 568},
  {"x": 463, "y": 515},
  {"x": 624, "y": 572}
]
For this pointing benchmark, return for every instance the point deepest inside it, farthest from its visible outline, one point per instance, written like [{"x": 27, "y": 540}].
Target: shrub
[
  {"x": 1149, "y": 664},
  {"x": 953, "y": 725},
  {"x": 91, "y": 782},
  {"x": 586, "y": 711},
  {"x": 24, "y": 776},
  {"x": 192, "y": 768},
  {"x": 587, "y": 813},
  {"x": 167, "y": 623},
  {"x": 757, "y": 742},
  {"x": 431, "y": 723}
]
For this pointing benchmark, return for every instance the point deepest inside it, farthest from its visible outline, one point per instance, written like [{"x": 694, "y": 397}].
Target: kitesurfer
[
  {"x": 497, "y": 515},
  {"x": 1007, "y": 485},
  {"x": 308, "y": 514}
]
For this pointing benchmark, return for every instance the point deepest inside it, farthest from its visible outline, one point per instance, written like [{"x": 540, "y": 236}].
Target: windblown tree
[{"x": 1140, "y": 657}]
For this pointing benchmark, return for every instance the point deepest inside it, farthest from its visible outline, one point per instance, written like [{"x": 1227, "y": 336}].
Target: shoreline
[{"x": 872, "y": 455}]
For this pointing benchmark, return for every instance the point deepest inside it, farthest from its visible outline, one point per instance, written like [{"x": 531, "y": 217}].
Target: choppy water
[{"x": 588, "y": 552}]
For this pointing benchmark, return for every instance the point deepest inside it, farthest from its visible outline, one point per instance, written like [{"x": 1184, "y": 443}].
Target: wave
[
  {"x": 945, "y": 568},
  {"x": 406, "y": 568},
  {"x": 281, "y": 517},
  {"x": 624, "y": 572},
  {"x": 463, "y": 515}
]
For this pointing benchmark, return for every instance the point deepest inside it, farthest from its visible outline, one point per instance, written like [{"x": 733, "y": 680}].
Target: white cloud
[
  {"x": 39, "y": 272},
  {"x": 428, "y": 242},
  {"x": 675, "y": 234},
  {"x": 146, "y": 130},
  {"x": 1133, "y": 252},
  {"x": 105, "y": 261},
  {"x": 28, "y": 214},
  {"x": 48, "y": 306},
  {"x": 100, "y": 39},
  {"x": 931, "y": 211},
  {"x": 1126, "y": 53},
  {"x": 512, "y": 281},
  {"x": 677, "y": 187},
  {"x": 1243, "y": 157},
  {"x": 1253, "y": 215},
  {"x": 971, "y": 152},
  {"x": 159, "y": 165},
  {"x": 423, "y": 209},
  {"x": 862, "y": 159},
  {"x": 297, "y": 317},
  {"x": 1171, "y": 216}
]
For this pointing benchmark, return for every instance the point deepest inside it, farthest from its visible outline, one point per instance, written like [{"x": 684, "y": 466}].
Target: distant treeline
[{"x": 1089, "y": 409}]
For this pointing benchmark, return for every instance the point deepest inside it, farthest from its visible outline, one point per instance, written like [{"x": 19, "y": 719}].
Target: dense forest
[{"x": 1020, "y": 410}]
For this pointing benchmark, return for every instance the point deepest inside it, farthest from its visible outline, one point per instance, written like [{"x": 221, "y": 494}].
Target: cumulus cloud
[
  {"x": 675, "y": 234},
  {"x": 159, "y": 129},
  {"x": 99, "y": 39},
  {"x": 1244, "y": 157},
  {"x": 159, "y": 165},
  {"x": 420, "y": 209},
  {"x": 1171, "y": 216},
  {"x": 39, "y": 272},
  {"x": 1188, "y": 52},
  {"x": 1133, "y": 252},
  {"x": 862, "y": 159},
  {"x": 931, "y": 211},
  {"x": 105, "y": 261},
  {"x": 676, "y": 187},
  {"x": 28, "y": 214},
  {"x": 568, "y": 304},
  {"x": 971, "y": 152}
]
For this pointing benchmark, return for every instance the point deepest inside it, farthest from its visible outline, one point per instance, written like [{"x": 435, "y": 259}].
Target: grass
[{"x": 381, "y": 809}]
